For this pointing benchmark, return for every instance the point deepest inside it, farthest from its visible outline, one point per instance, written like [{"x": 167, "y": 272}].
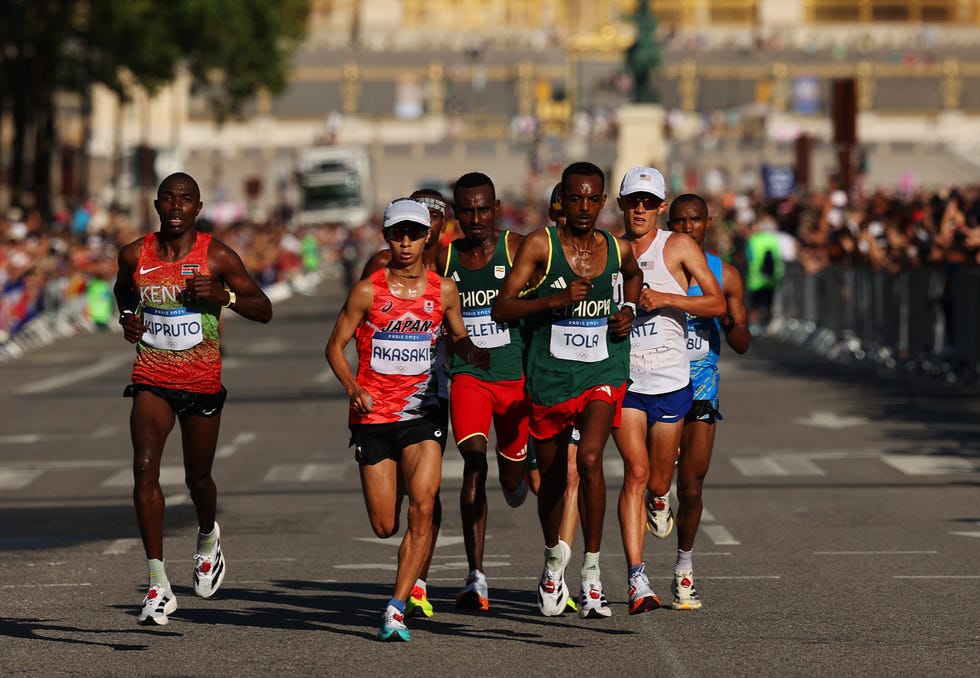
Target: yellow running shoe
[{"x": 418, "y": 604}]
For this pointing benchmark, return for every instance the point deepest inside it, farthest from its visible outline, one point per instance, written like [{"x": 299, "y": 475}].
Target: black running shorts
[
  {"x": 377, "y": 442},
  {"x": 184, "y": 403},
  {"x": 704, "y": 410}
]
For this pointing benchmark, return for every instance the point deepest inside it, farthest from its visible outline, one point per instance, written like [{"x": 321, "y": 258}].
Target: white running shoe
[
  {"x": 594, "y": 603},
  {"x": 552, "y": 590},
  {"x": 476, "y": 594},
  {"x": 158, "y": 603},
  {"x": 516, "y": 497},
  {"x": 660, "y": 517},
  {"x": 209, "y": 570},
  {"x": 642, "y": 597},
  {"x": 685, "y": 595},
  {"x": 393, "y": 626}
]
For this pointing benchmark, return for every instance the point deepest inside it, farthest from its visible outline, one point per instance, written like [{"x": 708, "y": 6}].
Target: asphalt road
[{"x": 841, "y": 534}]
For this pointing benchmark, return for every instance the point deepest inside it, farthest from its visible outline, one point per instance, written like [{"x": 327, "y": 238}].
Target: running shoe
[
  {"x": 685, "y": 595},
  {"x": 158, "y": 603},
  {"x": 552, "y": 590},
  {"x": 594, "y": 603},
  {"x": 516, "y": 497},
  {"x": 475, "y": 595},
  {"x": 418, "y": 604},
  {"x": 209, "y": 570},
  {"x": 393, "y": 626},
  {"x": 571, "y": 604},
  {"x": 660, "y": 517},
  {"x": 642, "y": 597}
]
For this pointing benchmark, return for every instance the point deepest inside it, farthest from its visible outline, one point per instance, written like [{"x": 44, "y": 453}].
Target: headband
[{"x": 433, "y": 203}]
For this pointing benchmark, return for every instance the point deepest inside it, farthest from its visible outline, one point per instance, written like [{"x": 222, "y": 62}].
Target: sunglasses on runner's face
[
  {"x": 398, "y": 232},
  {"x": 634, "y": 201}
]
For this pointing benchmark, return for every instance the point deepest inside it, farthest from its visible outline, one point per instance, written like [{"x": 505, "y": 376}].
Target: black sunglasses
[
  {"x": 399, "y": 231},
  {"x": 650, "y": 203}
]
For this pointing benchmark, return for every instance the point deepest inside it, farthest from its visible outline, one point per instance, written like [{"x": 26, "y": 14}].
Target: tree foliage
[{"x": 231, "y": 48}]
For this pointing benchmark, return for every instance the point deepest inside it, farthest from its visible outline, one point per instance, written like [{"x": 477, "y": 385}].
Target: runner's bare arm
[
  {"x": 351, "y": 316},
  {"x": 229, "y": 276},
  {"x": 734, "y": 322},
  {"x": 684, "y": 250},
  {"x": 621, "y": 323},
  {"x": 127, "y": 301}
]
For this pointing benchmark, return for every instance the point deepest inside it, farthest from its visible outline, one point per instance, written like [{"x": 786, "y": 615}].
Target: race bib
[
  {"x": 483, "y": 331},
  {"x": 580, "y": 339},
  {"x": 172, "y": 329},
  {"x": 697, "y": 346},
  {"x": 645, "y": 334},
  {"x": 401, "y": 353}
]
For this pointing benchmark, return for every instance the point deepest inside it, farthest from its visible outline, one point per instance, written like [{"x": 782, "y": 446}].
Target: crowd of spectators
[{"x": 67, "y": 264}]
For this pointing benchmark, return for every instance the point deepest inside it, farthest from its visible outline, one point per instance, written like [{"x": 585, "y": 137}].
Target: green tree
[{"x": 231, "y": 48}]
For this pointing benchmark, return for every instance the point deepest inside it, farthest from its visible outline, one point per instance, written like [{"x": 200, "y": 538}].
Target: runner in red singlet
[
  {"x": 418, "y": 601},
  {"x": 395, "y": 317},
  {"x": 170, "y": 290}
]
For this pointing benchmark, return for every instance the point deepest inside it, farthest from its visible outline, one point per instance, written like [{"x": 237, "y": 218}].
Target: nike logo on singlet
[{"x": 144, "y": 271}]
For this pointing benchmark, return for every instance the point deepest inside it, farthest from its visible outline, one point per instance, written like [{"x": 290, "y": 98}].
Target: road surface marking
[{"x": 105, "y": 364}]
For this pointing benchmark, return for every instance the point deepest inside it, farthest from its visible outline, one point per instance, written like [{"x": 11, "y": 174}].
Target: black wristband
[{"x": 124, "y": 315}]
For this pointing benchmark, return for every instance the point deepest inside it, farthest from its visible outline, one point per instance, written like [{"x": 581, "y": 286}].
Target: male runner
[
  {"x": 418, "y": 601},
  {"x": 170, "y": 290},
  {"x": 396, "y": 316},
  {"x": 478, "y": 262},
  {"x": 689, "y": 214},
  {"x": 576, "y": 368},
  {"x": 660, "y": 382}
]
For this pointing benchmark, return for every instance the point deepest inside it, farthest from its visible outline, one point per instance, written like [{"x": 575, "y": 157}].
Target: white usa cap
[
  {"x": 644, "y": 180},
  {"x": 406, "y": 209}
]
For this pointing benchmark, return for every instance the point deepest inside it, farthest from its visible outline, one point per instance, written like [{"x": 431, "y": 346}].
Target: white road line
[
  {"x": 120, "y": 546},
  {"x": 874, "y": 553},
  {"x": 720, "y": 535},
  {"x": 105, "y": 364},
  {"x": 16, "y": 479},
  {"x": 169, "y": 475},
  {"x": 229, "y": 450},
  {"x": 933, "y": 576},
  {"x": 30, "y": 438},
  {"x": 243, "y": 438},
  {"x": 43, "y": 586},
  {"x": 930, "y": 465},
  {"x": 770, "y": 466},
  {"x": 441, "y": 540},
  {"x": 179, "y": 500}
]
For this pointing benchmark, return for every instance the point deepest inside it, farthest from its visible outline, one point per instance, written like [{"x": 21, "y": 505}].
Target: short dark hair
[
  {"x": 583, "y": 168},
  {"x": 184, "y": 176},
  {"x": 685, "y": 198},
  {"x": 474, "y": 180}
]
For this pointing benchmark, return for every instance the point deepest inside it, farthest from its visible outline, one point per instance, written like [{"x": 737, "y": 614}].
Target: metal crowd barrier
[{"x": 923, "y": 319}]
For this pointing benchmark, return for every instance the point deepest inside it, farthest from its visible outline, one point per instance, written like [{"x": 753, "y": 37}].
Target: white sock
[
  {"x": 207, "y": 543},
  {"x": 552, "y": 557},
  {"x": 421, "y": 584},
  {"x": 590, "y": 567},
  {"x": 684, "y": 563},
  {"x": 157, "y": 573}
]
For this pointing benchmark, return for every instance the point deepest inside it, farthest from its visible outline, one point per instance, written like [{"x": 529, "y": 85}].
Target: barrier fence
[{"x": 923, "y": 318}]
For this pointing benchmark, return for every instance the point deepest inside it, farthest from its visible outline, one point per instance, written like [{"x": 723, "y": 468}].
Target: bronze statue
[{"x": 643, "y": 56}]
